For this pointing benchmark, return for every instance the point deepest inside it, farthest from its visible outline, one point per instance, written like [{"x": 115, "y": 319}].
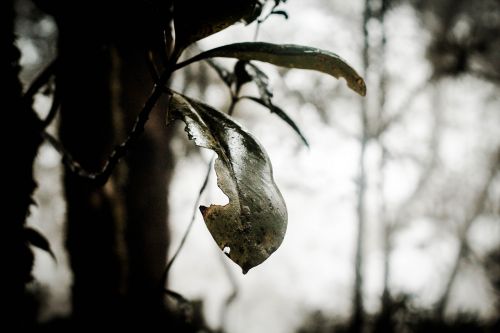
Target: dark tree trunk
[
  {"x": 149, "y": 171},
  {"x": 22, "y": 147},
  {"x": 117, "y": 233},
  {"x": 87, "y": 131},
  {"x": 357, "y": 319}
]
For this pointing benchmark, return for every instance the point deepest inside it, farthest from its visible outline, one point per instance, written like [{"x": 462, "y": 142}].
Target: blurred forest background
[{"x": 394, "y": 210}]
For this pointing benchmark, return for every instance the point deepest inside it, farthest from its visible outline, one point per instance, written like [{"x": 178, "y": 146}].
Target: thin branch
[
  {"x": 121, "y": 150},
  {"x": 175, "y": 295},
  {"x": 463, "y": 249},
  {"x": 153, "y": 71},
  {"x": 232, "y": 295},
  {"x": 191, "y": 223},
  {"x": 402, "y": 109},
  {"x": 41, "y": 80},
  {"x": 56, "y": 102},
  {"x": 428, "y": 167}
]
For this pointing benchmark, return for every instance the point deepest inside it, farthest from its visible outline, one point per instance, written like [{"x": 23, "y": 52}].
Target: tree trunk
[
  {"x": 87, "y": 131},
  {"x": 117, "y": 234},
  {"x": 22, "y": 147},
  {"x": 149, "y": 170},
  {"x": 357, "y": 319}
]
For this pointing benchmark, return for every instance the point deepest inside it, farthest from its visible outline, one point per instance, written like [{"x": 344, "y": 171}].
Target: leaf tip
[
  {"x": 203, "y": 210},
  {"x": 359, "y": 86}
]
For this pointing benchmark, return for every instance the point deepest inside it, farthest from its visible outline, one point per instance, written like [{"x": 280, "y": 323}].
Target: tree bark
[{"x": 117, "y": 234}]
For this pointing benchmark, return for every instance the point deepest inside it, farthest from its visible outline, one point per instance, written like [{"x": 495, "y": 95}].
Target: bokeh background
[{"x": 415, "y": 163}]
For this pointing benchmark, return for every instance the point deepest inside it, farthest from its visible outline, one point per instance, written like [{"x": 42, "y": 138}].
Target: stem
[
  {"x": 191, "y": 223},
  {"x": 102, "y": 176}
]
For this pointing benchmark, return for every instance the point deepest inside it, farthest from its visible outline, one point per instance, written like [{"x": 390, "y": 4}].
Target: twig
[
  {"x": 163, "y": 281},
  {"x": 477, "y": 209},
  {"x": 191, "y": 223},
  {"x": 232, "y": 296},
  {"x": 103, "y": 175},
  {"x": 56, "y": 102},
  {"x": 41, "y": 80},
  {"x": 402, "y": 109}
]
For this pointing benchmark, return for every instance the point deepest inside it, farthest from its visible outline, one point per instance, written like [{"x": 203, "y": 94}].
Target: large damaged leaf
[
  {"x": 291, "y": 56},
  {"x": 252, "y": 225}
]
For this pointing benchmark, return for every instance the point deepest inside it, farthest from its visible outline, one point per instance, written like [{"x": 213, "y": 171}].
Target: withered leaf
[{"x": 252, "y": 225}]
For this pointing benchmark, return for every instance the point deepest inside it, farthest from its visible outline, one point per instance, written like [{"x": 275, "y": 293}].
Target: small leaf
[
  {"x": 261, "y": 80},
  {"x": 288, "y": 55},
  {"x": 241, "y": 74},
  {"x": 282, "y": 114},
  {"x": 280, "y": 12},
  {"x": 36, "y": 239},
  {"x": 223, "y": 73},
  {"x": 252, "y": 225}
]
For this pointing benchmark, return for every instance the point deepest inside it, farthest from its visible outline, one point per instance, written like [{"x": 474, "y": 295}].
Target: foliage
[{"x": 253, "y": 224}]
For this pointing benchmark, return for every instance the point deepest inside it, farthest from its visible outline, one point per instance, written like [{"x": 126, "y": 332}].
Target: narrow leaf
[
  {"x": 261, "y": 80},
  {"x": 252, "y": 225},
  {"x": 223, "y": 73},
  {"x": 280, "y": 113},
  {"x": 38, "y": 240},
  {"x": 280, "y": 12},
  {"x": 288, "y": 55}
]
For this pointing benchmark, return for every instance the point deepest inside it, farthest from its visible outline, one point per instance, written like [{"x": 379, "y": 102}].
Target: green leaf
[
  {"x": 280, "y": 113},
  {"x": 36, "y": 239},
  {"x": 288, "y": 55},
  {"x": 252, "y": 225}
]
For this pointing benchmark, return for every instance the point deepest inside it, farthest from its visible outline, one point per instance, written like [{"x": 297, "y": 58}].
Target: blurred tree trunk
[
  {"x": 149, "y": 170},
  {"x": 94, "y": 212},
  {"x": 22, "y": 148},
  {"x": 476, "y": 210},
  {"x": 357, "y": 319},
  {"x": 117, "y": 233},
  {"x": 384, "y": 321}
]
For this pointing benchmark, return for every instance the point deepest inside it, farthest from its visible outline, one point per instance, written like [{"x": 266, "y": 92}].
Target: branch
[
  {"x": 41, "y": 80},
  {"x": 121, "y": 150},
  {"x": 232, "y": 295},
  {"x": 401, "y": 110},
  {"x": 475, "y": 213},
  {"x": 191, "y": 223},
  {"x": 56, "y": 102}
]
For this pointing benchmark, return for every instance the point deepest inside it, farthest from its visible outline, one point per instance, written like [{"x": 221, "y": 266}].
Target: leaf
[
  {"x": 38, "y": 240},
  {"x": 195, "y": 20},
  {"x": 280, "y": 12},
  {"x": 223, "y": 73},
  {"x": 241, "y": 74},
  {"x": 288, "y": 55},
  {"x": 252, "y": 225},
  {"x": 280, "y": 113},
  {"x": 261, "y": 80}
]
